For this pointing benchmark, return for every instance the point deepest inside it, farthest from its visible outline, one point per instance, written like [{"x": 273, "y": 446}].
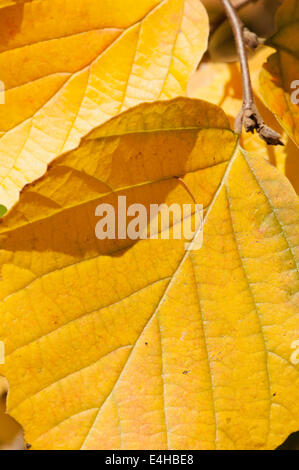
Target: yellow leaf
[
  {"x": 3, "y": 386},
  {"x": 140, "y": 344},
  {"x": 281, "y": 72},
  {"x": 63, "y": 78},
  {"x": 6, "y": 3},
  {"x": 11, "y": 435},
  {"x": 257, "y": 16},
  {"x": 221, "y": 84},
  {"x": 215, "y": 10},
  {"x": 287, "y": 161}
]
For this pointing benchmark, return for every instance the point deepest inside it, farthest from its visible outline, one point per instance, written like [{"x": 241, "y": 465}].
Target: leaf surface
[
  {"x": 11, "y": 435},
  {"x": 7, "y": 3},
  {"x": 221, "y": 84},
  {"x": 282, "y": 69},
  {"x": 123, "y": 344},
  {"x": 63, "y": 78}
]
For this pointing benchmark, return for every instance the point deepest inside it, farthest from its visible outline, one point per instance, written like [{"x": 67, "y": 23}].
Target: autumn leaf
[
  {"x": 257, "y": 16},
  {"x": 280, "y": 74},
  {"x": 287, "y": 161},
  {"x": 6, "y": 3},
  {"x": 63, "y": 78},
  {"x": 221, "y": 84},
  {"x": 140, "y": 344},
  {"x": 11, "y": 435},
  {"x": 3, "y": 386}
]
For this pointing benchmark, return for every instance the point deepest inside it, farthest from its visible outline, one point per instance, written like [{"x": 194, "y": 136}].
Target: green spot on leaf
[{"x": 3, "y": 210}]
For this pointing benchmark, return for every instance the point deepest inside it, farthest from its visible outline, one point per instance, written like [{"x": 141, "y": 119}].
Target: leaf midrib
[{"x": 174, "y": 275}]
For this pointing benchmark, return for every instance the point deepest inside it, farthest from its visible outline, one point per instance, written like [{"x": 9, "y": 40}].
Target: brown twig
[
  {"x": 250, "y": 38},
  {"x": 249, "y": 116}
]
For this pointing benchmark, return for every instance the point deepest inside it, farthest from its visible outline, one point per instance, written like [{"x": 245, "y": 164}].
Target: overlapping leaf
[
  {"x": 221, "y": 84},
  {"x": 63, "y": 78},
  {"x": 281, "y": 71},
  {"x": 11, "y": 435},
  {"x": 3, "y": 385},
  {"x": 258, "y": 16},
  {"x": 122, "y": 344},
  {"x": 7, "y": 3}
]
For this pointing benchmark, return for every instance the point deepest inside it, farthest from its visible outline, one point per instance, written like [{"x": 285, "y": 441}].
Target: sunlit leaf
[
  {"x": 6, "y": 3},
  {"x": 140, "y": 344},
  {"x": 221, "y": 84},
  {"x": 258, "y": 16},
  {"x": 280, "y": 75},
  {"x": 3, "y": 210},
  {"x": 11, "y": 435},
  {"x": 64, "y": 77}
]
